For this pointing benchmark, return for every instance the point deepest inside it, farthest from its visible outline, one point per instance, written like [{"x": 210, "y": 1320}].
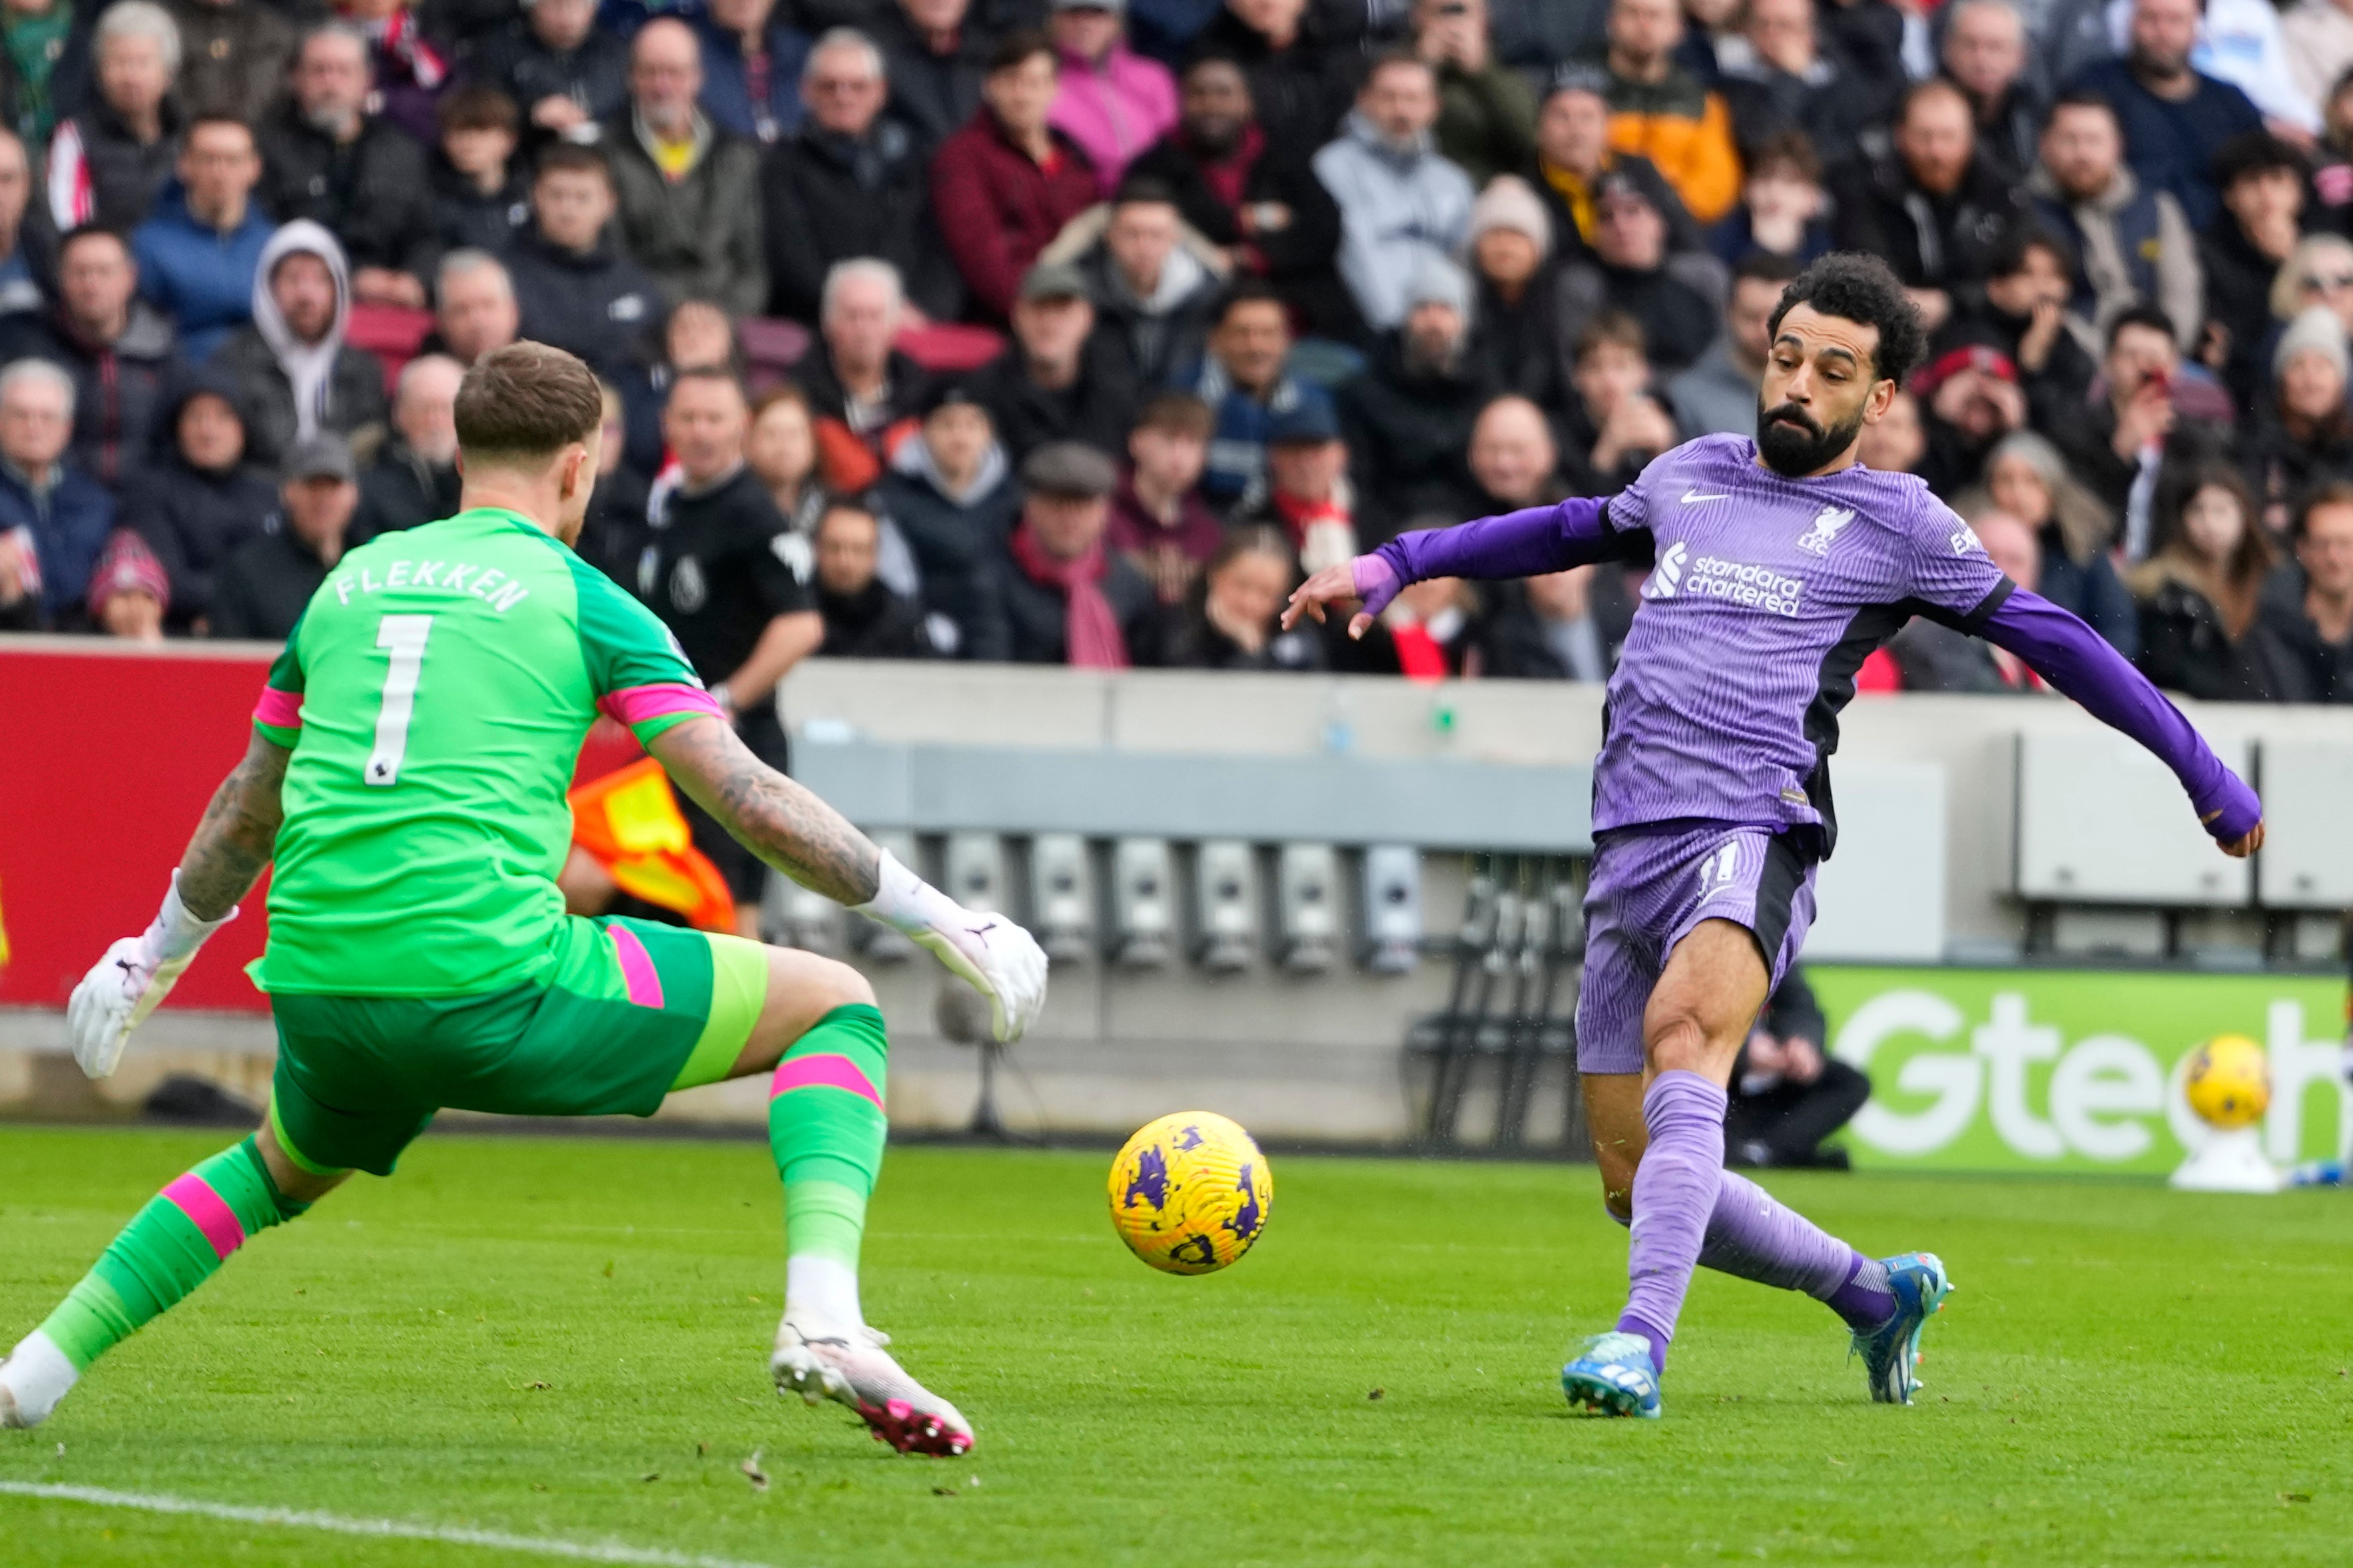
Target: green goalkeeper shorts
[{"x": 631, "y": 1010}]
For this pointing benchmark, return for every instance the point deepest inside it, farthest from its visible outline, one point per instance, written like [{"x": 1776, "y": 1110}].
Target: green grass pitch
[{"x": 566, "y": 1338}]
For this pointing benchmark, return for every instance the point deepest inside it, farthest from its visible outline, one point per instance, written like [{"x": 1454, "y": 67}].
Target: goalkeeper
[{"x": 407, "y": 772}]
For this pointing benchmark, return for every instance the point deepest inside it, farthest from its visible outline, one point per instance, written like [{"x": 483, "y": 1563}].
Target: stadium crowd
[{"x": 1073, "y": 331}]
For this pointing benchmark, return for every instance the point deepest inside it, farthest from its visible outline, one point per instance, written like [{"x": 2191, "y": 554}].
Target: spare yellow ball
[
  {"x": 1190, "y": 1193},
  {"x": 2228, "y": 1082}
]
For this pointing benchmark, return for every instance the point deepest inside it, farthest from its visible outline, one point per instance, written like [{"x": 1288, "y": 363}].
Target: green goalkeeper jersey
[{"x": 435, "y": 695}]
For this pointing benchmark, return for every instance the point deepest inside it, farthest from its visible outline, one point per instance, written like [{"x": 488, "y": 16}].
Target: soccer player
[
  {"x": 1776, "y": 566},
  {"x": 407, "y": 772}
]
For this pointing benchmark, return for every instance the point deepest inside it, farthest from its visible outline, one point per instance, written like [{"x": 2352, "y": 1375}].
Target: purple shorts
[{"x": 1650, "y": 886}]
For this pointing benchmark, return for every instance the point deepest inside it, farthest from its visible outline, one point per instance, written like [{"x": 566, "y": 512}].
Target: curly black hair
[{"x": 1860, "y": 288}]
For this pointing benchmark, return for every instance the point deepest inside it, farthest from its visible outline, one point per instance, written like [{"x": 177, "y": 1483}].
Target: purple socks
[
  {"x": 1674, "y": 1195},
  {"x": 1689, "y": 1210}
]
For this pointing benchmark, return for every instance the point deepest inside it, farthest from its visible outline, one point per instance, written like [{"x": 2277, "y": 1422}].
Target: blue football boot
[
  {"x": 1614, "y": 1376},
  {"x": 1892, "y": 1351}
]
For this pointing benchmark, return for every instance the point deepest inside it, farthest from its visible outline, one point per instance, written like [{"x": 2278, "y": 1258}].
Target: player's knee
[
  {"x": 1676, "y": 1040},
  {"x": 836, "y": 984}
]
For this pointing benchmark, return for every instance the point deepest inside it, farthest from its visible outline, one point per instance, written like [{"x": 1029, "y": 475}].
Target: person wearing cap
[
  {"x": 1059, "y": 380},
  {"x": 1573, "y": 152},
  {"x": 2303, "y": 437},
  {"x": 195, "y": 498},
  {"x": 1407, "y": 414},
  {"x": 1514, "y": 312},
  {"x": 1306, "y": 493},
  {"x": 1716, "y": 394},
  {"x": 1246, "y": 379},
  {"x": 1677, "y": 296},
  {"x": 260, "y": 591},
  {"x": 951, "y": 493},
  {"x": 1005, "y": 185},
  {"x": 1401, "y": 200},
  {"x": 1257, "y": 200},
  {"x": 1971, "y": 397},
  {"x": 1112, "y": 101},
  {"x": 1658, "y": 109},
  {"x": 1152, "y": 295},
  {"x": 1057, "y": 594}
]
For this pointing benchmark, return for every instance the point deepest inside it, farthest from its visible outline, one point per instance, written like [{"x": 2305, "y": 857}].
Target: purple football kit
[{"x": 1711, "y": 793}]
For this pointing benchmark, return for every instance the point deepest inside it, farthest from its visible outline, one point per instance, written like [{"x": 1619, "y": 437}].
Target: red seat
[
  {"x": 392, "y": 332},
  {"x": 949, "y": 346},
  {"x": 770, "y": 346}
]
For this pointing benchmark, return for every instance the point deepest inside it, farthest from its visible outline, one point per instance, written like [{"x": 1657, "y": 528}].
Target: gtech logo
[{"x": 1668, "y": 574}]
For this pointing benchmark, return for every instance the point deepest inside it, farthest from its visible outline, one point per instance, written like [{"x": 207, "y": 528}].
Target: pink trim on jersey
[
  {"x": 194, "y": 1196},
  {"x": 278, "y": 709},
  {"x": 638, "y": 971},
  {"x": 825, "y": 1070},
  {"x": 637, "y": 704}
]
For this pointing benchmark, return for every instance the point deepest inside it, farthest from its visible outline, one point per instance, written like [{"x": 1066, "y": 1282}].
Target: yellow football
[
  {"x": 1190, "y": 1193},
  {"x": 2228, "y": 1082}
]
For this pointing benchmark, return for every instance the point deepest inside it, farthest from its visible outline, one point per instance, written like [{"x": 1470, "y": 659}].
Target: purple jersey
[{"x": 1766, "y": 594}]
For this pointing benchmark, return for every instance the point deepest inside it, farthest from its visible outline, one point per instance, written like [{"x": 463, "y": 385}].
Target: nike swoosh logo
[{"x": 1691, "y": 496}]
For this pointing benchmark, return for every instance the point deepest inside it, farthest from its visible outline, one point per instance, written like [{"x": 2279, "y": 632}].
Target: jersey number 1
[{"x": 405, "y": 636}]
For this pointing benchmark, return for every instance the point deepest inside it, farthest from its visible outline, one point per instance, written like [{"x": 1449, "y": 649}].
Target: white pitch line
[{"x": 384, "y": 1528}]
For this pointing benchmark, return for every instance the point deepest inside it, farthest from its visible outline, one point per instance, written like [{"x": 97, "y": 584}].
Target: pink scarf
[{"x": 1090, "y": 630}]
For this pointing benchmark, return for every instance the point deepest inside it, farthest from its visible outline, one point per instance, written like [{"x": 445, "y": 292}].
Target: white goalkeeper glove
[
  {"x": 136, "y": 973},
  {"x": 989, "y": 952}
]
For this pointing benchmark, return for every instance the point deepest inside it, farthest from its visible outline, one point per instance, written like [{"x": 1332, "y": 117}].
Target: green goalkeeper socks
[
  {"x": 826, "y": 1126},
  {"x": 173, "y": 1245}
]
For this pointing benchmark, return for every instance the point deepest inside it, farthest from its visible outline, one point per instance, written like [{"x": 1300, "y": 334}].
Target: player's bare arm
[
  {"x": 784, "y": 824},
  {"x": 236, "y": 834},
  {"x": 784, "y": 642}
]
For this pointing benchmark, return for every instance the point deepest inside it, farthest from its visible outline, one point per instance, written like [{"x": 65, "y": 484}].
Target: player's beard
[{"x": 1797, "y": 449}]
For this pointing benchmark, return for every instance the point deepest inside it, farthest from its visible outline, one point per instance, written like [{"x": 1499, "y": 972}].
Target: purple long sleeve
[
  {"x": 1526, "y": 544},
  {"x": 2079, "y": 663}
]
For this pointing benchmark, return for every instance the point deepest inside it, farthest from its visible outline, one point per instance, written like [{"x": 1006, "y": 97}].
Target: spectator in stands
[
  {"x": 474, "y": 306},
  {"x": 2133, "y": 244},
  {"x": 2174, "y": 118},
  {"x": 1658, "y": 109},
  {"x": 481, "y": 200},
  {"x": 617, "y": 511},
  {"x": 1257, "y": 200},
  {"x": 199, "y": 250},
  {"x": 851, "y": 182},
  {"x": 260, "y": 592},
  {"x": 2319, "y": 272},
  {"x": 689, "y": 190},
  {"x": 117, "y": 348},
  {"x": 2318, "y": 38},
  {"x": 782, "y": 450},
  {"x": 1158, "y": 518},
  {"x": 405, "y": 68},
  {"x": 1402, "y": 203},
  {"x": 54, "y": 518},
  {"x": 752, "y": 61},
  {"x": 48, "y": 64},
  {"x": 2308, "y": 606},
  {"x": 1897, "y": 443},
  {"x": 567, "y": 74},
  {"x": 1301, "y": 76},
  {"x": 1787, "y": 1094},
  {"x": 1232, "y": 618},
  {"x": 1152, "y": 296},
  {"x": 1429, "y": 632},
  {"x": 27, "y": 237},
  {"x": 1678, "y": 298},
  {"x": 2022, "y": 315},
  {"x": 128, "y": 591},
  {"x": 1782, "y": 205},
  {"x": 1615, "y": 425},
  {"x": 573, "y": 288},
  {"x": 1717, "y": 394},
  {"x": 2201, "y": 587},
  {"x": 1931, "y": 657},
  {"x": 2026, "y": 479},
  {"x": 2302, "y": 435},
  {"x": 1246, "y": 380},
  {"x": 1486, "y": 114},
  {"x": 1306, "y": 493},
  {"x": 2260, "y": 179},
  {"x": 109, "y": 158},
  {"x": 1970, "y": 398},
  {"x": 1514, "y": 309},
  {"x": 414, "y": 478},
  {"x": 1937, "y": 210},
  {"x": 1056, "y": 593},
  {"x": 295, "y": 375},
  {"x": 1984, "y": 54},
  {"x": 1409, "y": 413},
  {"x": 1113, "y": 102},
  {"x": 1790, "y": 77},
  {"x": 2117, "y": 448},
  {"x": 1057, "y": 380},
  {"x": 861, "y": 389},
  {"x": 863, "y": 618},
  {"x": 1005, "y": 185},
  {"x": 1564, "y": 625},
  {"x": 950, "y": 492},
  {"x": 233, "y": 57},
  {"x": 196, "y": 500},
  {"x": 937, "y": 62},
  {"x": 356, "y": 174},
  {"x": 1573, "y": 152}
]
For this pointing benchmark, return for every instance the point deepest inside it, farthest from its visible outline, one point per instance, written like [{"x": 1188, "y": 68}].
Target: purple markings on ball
[
  {"x": 1190, "y": 1138},
  {"x": 1151, "y": 1182},
  {"x": 1204, "y": 1251},
  {"x": 1245, "y": 1221}
]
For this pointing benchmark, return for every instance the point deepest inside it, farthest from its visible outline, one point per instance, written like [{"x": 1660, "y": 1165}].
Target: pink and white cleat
[{"x": 852, "y": 1367}]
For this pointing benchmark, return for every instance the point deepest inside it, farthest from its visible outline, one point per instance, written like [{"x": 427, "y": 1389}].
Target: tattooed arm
[
  {"x": 779, "y": 821},
  {"x": 238, "y": 833}
]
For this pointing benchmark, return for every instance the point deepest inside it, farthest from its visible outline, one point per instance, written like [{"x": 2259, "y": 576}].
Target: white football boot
[
  {"x": 852, "y": 1367},
  {"x": 33, "y": 1378}
]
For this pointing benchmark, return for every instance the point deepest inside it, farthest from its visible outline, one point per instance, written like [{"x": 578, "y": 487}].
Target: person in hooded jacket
[
  {"x": 295, "y": 374},
  {"x": 576, "y": 291},
  {"x": 951, "y": 492},
  {"x": 195, "y": 499}
]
